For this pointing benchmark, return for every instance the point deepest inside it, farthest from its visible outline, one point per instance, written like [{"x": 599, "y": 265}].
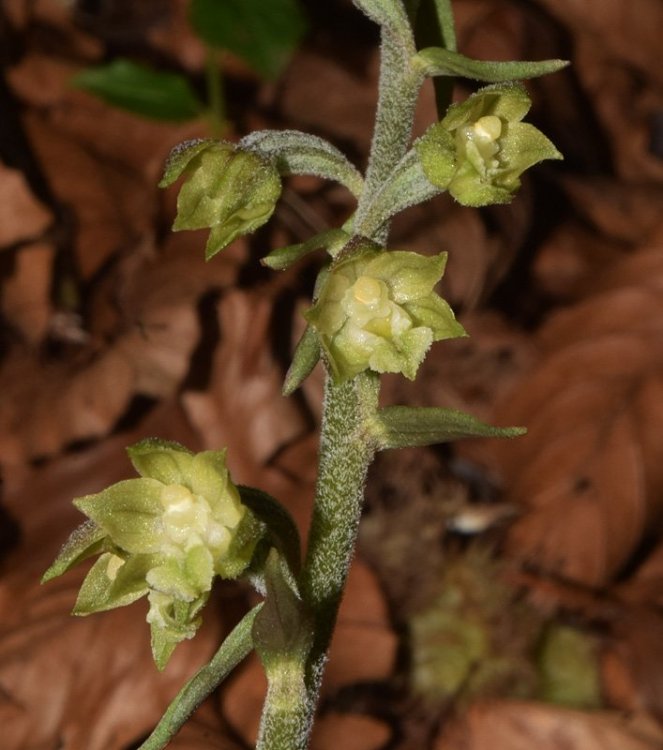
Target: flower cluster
[
  {"x": 229, "y": 190},
  {"x": 480, "y": 148},
  {"x": 166, "y": 535},
  {"x": 377, "y": 310}
]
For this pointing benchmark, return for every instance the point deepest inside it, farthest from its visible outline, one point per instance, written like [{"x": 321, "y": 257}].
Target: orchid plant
[{"x": 170, "y": 533}]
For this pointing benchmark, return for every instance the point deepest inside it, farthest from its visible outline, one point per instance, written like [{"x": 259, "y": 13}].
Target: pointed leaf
[
  {"x": 151, "y": 93},
  {"x": 331, "y": 240},
  {"x": 232, "y": 651},
  {"x": 437, "y": 61},
  {"x": 404, "y": 427},
  {"x": 305, "y": 358},
  {"x": 87, "y": 540},
  {"x": 293, "y": 152},
  {"x": 264, "y": 33},
  {"x": 282, "y": 631}
]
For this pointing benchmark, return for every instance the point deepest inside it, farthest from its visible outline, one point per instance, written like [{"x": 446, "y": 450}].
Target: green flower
[
  {"x": 166, "y": 535},
  {"x": 377, "y": 310},
  {"x": 481, "y": 147},
  {"x": 228, "y": 190}
]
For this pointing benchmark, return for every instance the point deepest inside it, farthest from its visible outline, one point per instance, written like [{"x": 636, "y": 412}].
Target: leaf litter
[{"x": 106, "y": 318}]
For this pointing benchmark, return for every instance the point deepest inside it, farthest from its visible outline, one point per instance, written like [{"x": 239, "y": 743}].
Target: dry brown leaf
[
  {"x": 627, "y": 32},
  {"x": 349, "y": 731},
  {"x": 588, "y": 470},
  {"x": 22, "y": 216},
  {"x": 243, "y": 407},
  {"x": 112, "y": 208},
  {"x": 523, "y": 726},
  {"x": 25, "y": 298}
]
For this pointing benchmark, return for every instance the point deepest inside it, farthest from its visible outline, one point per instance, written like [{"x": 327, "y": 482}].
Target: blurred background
[{"x": 506, "y": 595}]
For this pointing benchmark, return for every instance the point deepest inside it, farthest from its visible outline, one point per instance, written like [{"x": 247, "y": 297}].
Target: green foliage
[
  {"x": 264, "y": 33},
  {"x": 141, "y": 90},
  {"x": 407, "y": 427}
]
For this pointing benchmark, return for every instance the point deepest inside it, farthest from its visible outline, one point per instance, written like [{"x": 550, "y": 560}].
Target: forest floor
[{"x": 506, "y": 595}]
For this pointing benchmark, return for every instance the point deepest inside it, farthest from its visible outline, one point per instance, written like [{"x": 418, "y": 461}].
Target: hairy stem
[{"x": 346, "y": 451}]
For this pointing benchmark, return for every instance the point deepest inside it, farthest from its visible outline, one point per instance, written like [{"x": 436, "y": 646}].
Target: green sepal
[
  {"x": 281, "y": 530},
  {"x": 164, "y": 460},
  {"x": 305, "y": 358},
  {"x": 405, "y": 427},
  {"x": 246, "y": 537},
  {"x": 129, "y": 512},
  {"x": 141, "y": 90},
  {"x": 294, "y": 152},
  {"x": 87, "y": 540},
  {"x": 234, "y": 649},
  {"x": 331, "y": 240},
  {"x": 407, "y": 185},
  {"x": 113, "y": 582},
  {"x": 437, "y": 61},
  {"x": 283, "y": 629},
  {"x": 179, "y": 159}
]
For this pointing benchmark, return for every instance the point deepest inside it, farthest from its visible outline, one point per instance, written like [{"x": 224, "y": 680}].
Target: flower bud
[
  {"x": 229, "y": 190},
  {"x": 377, "y": 310},
  {"x": 481, "y": 147}
]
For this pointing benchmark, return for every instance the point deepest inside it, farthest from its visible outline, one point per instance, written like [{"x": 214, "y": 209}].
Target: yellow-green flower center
[
  {"x": 480, "y": 142},
  {"x": 187, "y": 520}
]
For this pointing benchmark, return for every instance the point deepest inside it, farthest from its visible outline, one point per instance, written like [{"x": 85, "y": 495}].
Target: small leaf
[
  {"x": 294, "y": 152},
  {"x": 87, "y": 540},
  {"x": 282, "y": 631},
  {"x": 264, "y": 33},
  {"x": 331, "y": 240},
  {"x": 305, "y": 358},
  {"x": 151, "y": 93},
  {"x": 404, "y": 427},
  {"x": 437, "y": 61}
]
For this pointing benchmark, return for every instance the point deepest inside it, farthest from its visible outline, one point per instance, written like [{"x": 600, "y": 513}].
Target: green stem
[
  {"x": 346, "y": 450},
  {"x": 399, "y": 88},
  {"x": 215, "y": 93}
]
